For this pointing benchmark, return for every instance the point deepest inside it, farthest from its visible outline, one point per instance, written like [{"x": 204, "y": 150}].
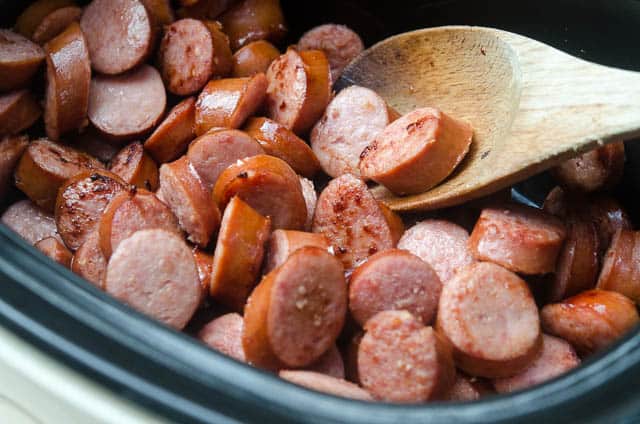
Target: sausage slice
[
  {"x": 127, "y": 106},
  {"x": 253, "y": 58},
  {"x": 81, "y": 202},
  {"x": 490, "y": 317},
  {"x": 238, "y": 255},
  {"x": 136, "y": 167},
  {"x": 468, "y": 389},
  {"x": 120, "y": 34},
  {"x": 417, "y": 151},
  {"x": 621, "y": 266},
  {"x": 153, "y": 271},
  {"x": 89, "y": 261},
  {"x": 229, "y": 102},
  {"x": 296, "y": 312},
  {"x": 519, "y": 238},
  {"x": 224, "y": 334},
  {"x": 591, "y": 320},
  {"x": 394, "y": 280},
  {"x": 349, "y": 216},
  {"x": 29, "y": 221},
  {"x": 204, "y": 263},
  {"x": 269, "y": 186},
  {"x": 310, "y": 199},
  {"x": 299, "y": 89},
  {"x": 19, "y": 110},
  {"x": 599, "y": 169},
  {"x": 55, "y": 23},
  {"x": 45, "y": 166},
  {"x": 279, "y": 141},
  {"x": 400, "y": 360},
  {"x": 56, "y": 250},
  {"x": 330, "y": 363},
  {"x": 190, "y": 201},
  {"x": 11, "y": 150},
  {"x": 172, "y": 137},
  {"x": 32, "y": 15},
  {"x": 283, "y": 243},
  {"x": 19, "y": 60},
  {"x": 325, "y": 383},
  {"x": 251, "y": 20}
]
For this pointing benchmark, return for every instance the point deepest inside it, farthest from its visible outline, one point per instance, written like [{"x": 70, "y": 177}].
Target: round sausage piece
[
  {"x": 55, "y": 23},
  {"x": 227, "y": 103},
  {"x": 33, "y": 14},
  {"x": 120, "y": 34},
  {"x": 19, "y": 60},
  {"x": 400, "y": 360},
  {"x": 590, "y": 321},
  {"x": 81, "y": 202},
  {"x": 520, "y": 238},
  {"x": 94, "y": 144},
  {"x": 468, "y": 389},
  {"x": 310, "y": 199},
  {"x": 269, "y": 186},
  {"x": 45, "y": 166},
  {"x": 136, "y": 167},
  {"x": 253, "y": 58},
  {"x": 598, "y": 169},
  {"x": 283, "y": 243},
  {"x": 238, "y": 255},
  {"x": 189, "y": 200},
  {"x": 204, "y": 263},
  {"x": 296, "y": 312},
  {"x": 557, "y": 357},
  {"x": 620, "y": 269},
  {"x": 56, "y": 250},
  {"x": 279, "y": 141},
  {"x": 89, "y": 261},
  {"x": 299, "y": 89},
  {"x": 11, "y": 150},
  {"x": 213, "y": 152},
  {"x": 172, "y": 137},
  {"x": 351, "y": 122},
  {"x": 224, "y": 334},
  {"x": 394, "y": 280},
  {"x": 351, "y": 219},
  {"x": 441, "y": 244},
  {"x": 490, "y": 317},
  {"x": 416, "y": 152},
  {"x": 19, "y": 110},
  {"x": 325, "y": 383},
  {"x": 29, "y": 221},
  {"x": 338, "y": 42},
  {"x": 154, "y": 272},
  {"x": 129, "y": 105},
  {"x": 608, "y": 216},
  {"x": 251, "y": 20},
  {"x": 330, "y": 363}
]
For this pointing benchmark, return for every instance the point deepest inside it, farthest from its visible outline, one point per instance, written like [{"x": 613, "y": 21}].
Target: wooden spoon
[{"x": 531, "y": 106}]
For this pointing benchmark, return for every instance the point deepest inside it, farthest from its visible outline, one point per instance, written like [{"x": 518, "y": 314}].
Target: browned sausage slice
[
  {"x": 490, "y": 317},
  {"x": 94, "y": 144},
  {"x": 296, "y": 312},
  {"x": 204, "y": 263},
  {"x": 172, "y": 137},
  {"x": 224, "y": 334},
  {"x": 468, "y": 389},
  {"x": 120, "y": 34},
  {"x": 441, "y": 244},
  {"x": 417, "y": 151},
  {"x": 279, "y": 141},
  {"x": 310, "y": 199},
  {"x": 599, "y": 169},
  {"x": 352, "y": 121},
  {"x": 129, "y": 105},
  {"x": 89, "y": 261},
  {"x": 283, "y": 243},
  {"x": 222, "y": 58},
  {"x": 80, "y": 203},
  {"x": 621, "y": 266},
  {"x": 31, "y": 17},
  {"x": 45, "y": 166},
  {"x": 131, "y": 211},
  {"x": 56, "y": 22},
  {"x": 325, "y": 383},
  {"x": 591, "y": 320},
  {"x": 18, "y": 111},
  {"x": 160, "y": 12},
  {"x": 401, "y": 360},
  {"x": 229, "y": 102},
  {"x": 19, "y": 60},
  {"x": 136, "y": 167},
  {"x": 338, "y": 42},
  {"x": 269, "y": 186},
  {"x": 349, "y": 216},
  {"x": 251, "y": 20},
  {"x": 11, "y": 150},
  {"x": 608, "y": 216},
  {"x": 238, "y": 255},
  {"x": 190, "y": 201},
  {"x": 253, "y": 58},
  {"x": 557, "y": 358},
  {"x": 154, "y": 272},
  {"x": 29, "y": 221},
  {"x": 519, "y": 238},
  {"x": 299, "y": 89},
  {"x": 56, "y": 250},
  {"x": 330, "y": 363},
  {"x": 213, "y": 152},
  {"x": 394, "y": 280}
]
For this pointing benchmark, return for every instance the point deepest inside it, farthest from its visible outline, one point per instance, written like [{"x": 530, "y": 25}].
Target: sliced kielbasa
[
  {"x": 172, "y": 137},
  {"x": 283, "y": 243},
  {"x": 467, "y": 389},
  {"x": 621, "y": 266},
  {"x": 160, "y": 12},
  {"x": 89, "y": 261},
  {"x": 330, "y": 363},
  {"x": 136, "y": 167},
  {"x": 19, "y": 60},
  {"x": 326, "y": 384},
  {"x": 310, "y": 199},
  {"x": 251, "y": 20},
  {"x": 94, "y": 144},
  {"x": 18, "y": 111},
  {"x": 33, "y": 15},
  {"x": 204, "y": 263},
  {"x": 253, "y": 58},
  {"x": 55, "y": 22},
  {"x": 11, "y": 150},
  {"x": 599, "y": 169},
  {"x": 29, "y": 221},
  {"x": 224, "y": 334},
  {"x": 56, "y": 250}
]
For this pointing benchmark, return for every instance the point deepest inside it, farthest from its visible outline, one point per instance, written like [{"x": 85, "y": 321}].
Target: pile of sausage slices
[{"x": 172, "y": 171}]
